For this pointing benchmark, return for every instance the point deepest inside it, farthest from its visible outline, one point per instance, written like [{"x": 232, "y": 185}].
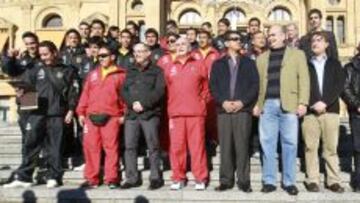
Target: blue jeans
[{"x": 273, "y": 121}]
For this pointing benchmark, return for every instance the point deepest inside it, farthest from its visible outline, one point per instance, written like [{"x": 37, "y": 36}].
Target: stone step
[
  {"x": 164, "y": 195},
  {"x": 76, "y": 177}
]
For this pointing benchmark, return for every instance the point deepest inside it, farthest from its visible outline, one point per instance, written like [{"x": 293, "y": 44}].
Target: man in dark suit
[
  {"x": 322, "y": 120},
  {"x": 315, "y": 17},
  {"x": 234, "y": 84}
]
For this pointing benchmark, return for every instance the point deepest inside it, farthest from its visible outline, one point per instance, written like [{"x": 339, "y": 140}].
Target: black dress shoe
[
  {"x": 128, "y": 185},
  {"x": 223, "y": 187},
  {"x": 312, "y": 187},
  {"x": 245, "y": 188},
  {"x": 357, "y": 188},
  {"x": 336, "y": 188},
  {"x": 155, "y": 184},
  {"x": 291, "y": 190},
  {"x": 267, "y": 188}
]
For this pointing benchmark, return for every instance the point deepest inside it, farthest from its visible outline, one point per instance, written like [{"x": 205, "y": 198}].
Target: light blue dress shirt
[{"x": 319, "y": 65}]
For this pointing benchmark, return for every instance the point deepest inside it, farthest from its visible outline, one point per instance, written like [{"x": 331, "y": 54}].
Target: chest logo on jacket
[
  {"x": 41, "y": 74},
  {"x": 94, "y": 77},
  {"x": 173, "y": 71},
  {"x": 59, "y": 75}
]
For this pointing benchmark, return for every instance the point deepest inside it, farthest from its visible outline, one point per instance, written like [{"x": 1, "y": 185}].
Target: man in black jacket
[
  {"x": 152, "y": 40},
  {"x": 125, "y": 57},
  {"x": 57, "y": 89},
  {"x": 234, "y": 84},
  {"x": 315, "y": 17},
  {"x": 143, "y": 92},
  {"x": 322, "y": 120},
  {"x": 219, "y": 41},
  {"x": 351, "y": 96}
]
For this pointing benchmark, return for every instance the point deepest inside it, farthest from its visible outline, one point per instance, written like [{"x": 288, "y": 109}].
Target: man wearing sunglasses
[
  {"x": 315, "y": 17},
  {"x": 234, "y": 84},
  {"x": 100, "y": 111}
]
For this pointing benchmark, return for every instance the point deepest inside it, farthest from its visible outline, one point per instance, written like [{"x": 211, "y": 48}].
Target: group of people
[{"x": 181, "y": 93}]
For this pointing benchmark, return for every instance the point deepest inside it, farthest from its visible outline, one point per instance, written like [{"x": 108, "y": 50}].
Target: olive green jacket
[{"x": 294, "y": 79}]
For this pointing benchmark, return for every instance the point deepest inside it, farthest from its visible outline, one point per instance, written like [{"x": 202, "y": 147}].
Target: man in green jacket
[{"x": 283, "y": 97}]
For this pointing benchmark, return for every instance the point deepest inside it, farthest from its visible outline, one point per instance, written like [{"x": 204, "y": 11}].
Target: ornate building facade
[{"x": 50, "y": 18}]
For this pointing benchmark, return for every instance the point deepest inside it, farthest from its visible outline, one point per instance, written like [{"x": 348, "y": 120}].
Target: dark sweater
[{"x": 273, "y": 83}]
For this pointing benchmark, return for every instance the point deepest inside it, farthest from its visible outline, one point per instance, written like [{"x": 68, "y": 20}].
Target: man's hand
[
  {"x": 81, "y": 120},
  {"x": 137, "y": 107},
  {"x": 228, "y": 106},
  {"x": 256, "y": 111},
  {"x": 319, "y": 107},
  {"x": 358, "y": 110},
  {"x": 69, "y": 116},
  {"x": 238, "y": 105},
  {"x": 301, "y": 110},
  {"x": 19, "y": 92},
  {"x": 12, "y": 53},
  {"x": 122, "y": 119}
]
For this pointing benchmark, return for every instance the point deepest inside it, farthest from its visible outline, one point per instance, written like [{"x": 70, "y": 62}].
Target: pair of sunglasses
[{"x": 103, "y": 55}]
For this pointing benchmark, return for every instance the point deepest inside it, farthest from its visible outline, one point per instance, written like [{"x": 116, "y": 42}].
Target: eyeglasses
[
  {"x": 236, "y": 39},
  {"x": 102, "y": 56},
  {"x": 171, "y": 41}
]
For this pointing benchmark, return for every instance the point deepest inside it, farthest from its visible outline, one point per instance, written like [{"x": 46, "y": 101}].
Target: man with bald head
[
  {"x": 283, "y": 99},
  {"x": 143, "y": 92},
  {"x": 187, "y": 95}
]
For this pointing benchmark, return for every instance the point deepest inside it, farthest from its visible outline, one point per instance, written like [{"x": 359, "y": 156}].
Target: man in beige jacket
[{"x": 283, "y": 98}]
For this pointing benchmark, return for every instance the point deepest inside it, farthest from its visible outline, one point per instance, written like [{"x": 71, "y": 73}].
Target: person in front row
[
  {"x": 187, "y": 95},
  {"x": 322, "y": 120},
  {"x": 100, "y": 111},
  {"x": 143, "y": 92},
  {"x": 283, "y": 97},
  {"x": 234, "y": 84}
]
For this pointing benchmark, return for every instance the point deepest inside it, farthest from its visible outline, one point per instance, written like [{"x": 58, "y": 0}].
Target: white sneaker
[
  {"x": 177, "y": 185},
  {"x": 200, "y": 186},
  {"x": 80, "y": 168},
  {"x": 51, "y": 183},
  {"x": 17, "y": 183}
]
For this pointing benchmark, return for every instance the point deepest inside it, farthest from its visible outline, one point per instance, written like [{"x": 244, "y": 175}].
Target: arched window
[
  {"x": 340, "y": 23},
  {"x": 280, "y": 14},
  {"x": 190, "y": 17},
  {"x": 52, "y": 21},
  {"x": 235, "y": 15},
  {"x": 330, "y": 23}
]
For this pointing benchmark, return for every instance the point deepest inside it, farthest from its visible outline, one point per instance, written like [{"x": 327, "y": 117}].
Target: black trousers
[
  {"x": 132, "y": 134},
  {"x": 42, "y": 131},
  {"x": 234, "y": 134},
  {"x": 355, "y": 131}
]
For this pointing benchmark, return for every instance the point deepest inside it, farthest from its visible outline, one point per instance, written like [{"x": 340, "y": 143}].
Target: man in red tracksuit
[
  {"x": 208, "y": 54},
  {"x": 101, "y": 111},
  {"x": 187, "y": 88}
]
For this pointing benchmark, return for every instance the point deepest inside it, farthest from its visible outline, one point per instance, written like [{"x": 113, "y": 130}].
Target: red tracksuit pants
[
  {"x": 95, "y": 139},
  {"x": 188, "y": 132}
]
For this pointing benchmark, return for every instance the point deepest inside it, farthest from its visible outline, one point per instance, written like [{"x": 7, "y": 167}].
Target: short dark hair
[
  {"x": 206, "y": 24},
  {"x": 224, "y": 21},
  {"x": 152, "y": 31},
  {"x": 31, "y": 35},
  {"x": 50, "y": 45},
  {"x": 99, "y": 22},
  {"x": 315, "y": 11},
  {"x": 321, "y": 34},
  {"x": 111, "y": 50},
  {"x": 172, "y": 34},
  {"x": 171, "y": 22},
  {"x": 231, "y": 32},
  {"x": 132, "y": 23},
  {"x": 192, "y": 29},
  {"x": 95, "y": 40},
  {"x": 84, "y": 23},
  {"x": 113, "y": 28},
  {"x": 205, "y": 32},
  {"x": 254, "y": 19},
  {"x": 126, "y": 31}
]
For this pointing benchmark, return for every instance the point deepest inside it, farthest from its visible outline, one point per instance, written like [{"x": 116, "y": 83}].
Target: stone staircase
[{"x": 10, "y": 145}]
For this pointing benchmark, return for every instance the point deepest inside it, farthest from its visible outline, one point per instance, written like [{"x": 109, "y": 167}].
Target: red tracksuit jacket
[
  {"x": 102, "y": 95},
  {"x": 209, "y": 59},
  {"x": 187, "y": 86}
]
